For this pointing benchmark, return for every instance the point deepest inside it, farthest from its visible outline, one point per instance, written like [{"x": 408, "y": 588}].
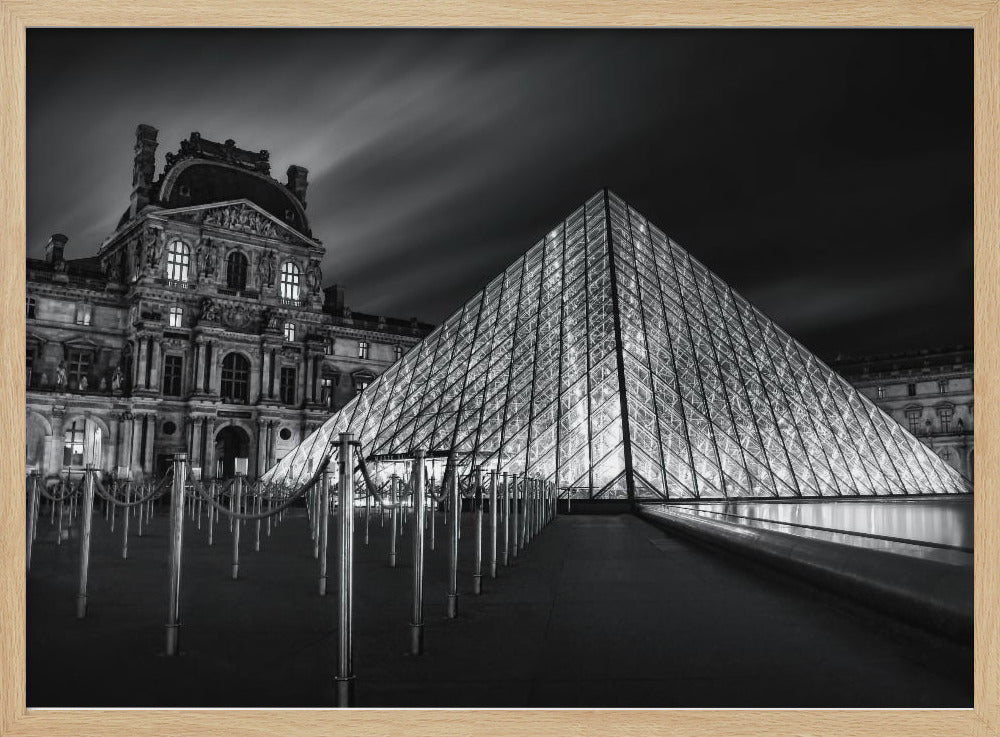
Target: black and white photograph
[{"x": 499, "y": 368}]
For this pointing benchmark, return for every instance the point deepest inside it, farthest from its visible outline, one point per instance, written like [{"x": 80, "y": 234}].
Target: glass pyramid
[{"x": 608, "y": 360}]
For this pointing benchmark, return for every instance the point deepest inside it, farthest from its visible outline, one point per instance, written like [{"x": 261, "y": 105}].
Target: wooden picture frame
[{"x": 981, "y": 15}]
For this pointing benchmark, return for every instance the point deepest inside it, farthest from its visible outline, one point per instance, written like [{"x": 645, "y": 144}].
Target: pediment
[{"x": 239, "y": 216}]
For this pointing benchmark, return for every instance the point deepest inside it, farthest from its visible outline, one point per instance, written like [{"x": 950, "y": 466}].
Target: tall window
[
  {"x": 290, "y": 278},
  {"x": 328, "y": 346},
  {"x": 943, "y": 386},
  {"x": 288, "y": 385},
  {"x": 326, "y": 392},
  {"x": 235, "y": 378},
  {"x": 78, "y": 367},
  {"x": 945, "y": 414},
  {"x": 178, "y": 261},
  {"x": 73, "y": 445},
  {"x": 30, "y": 362},
  {"x": 911, "y": 390},
  {"x": 946, "y": 454},
  {"x": 31, "y": 305},
  {"x": 913, "y": 420},
  {"x": 172, "y": 372},
  {"x": 289, "y": 331},
  {"x": 236, "y": 271},
  {"x": 398, "y": 351},
  {"x": 361, "y": 383},
  {"x": 880, "y": 392},
  {"x": 175, "y": 317},
  {"x": 362, "y": 349},
  {"x": 84, "y": 313}
]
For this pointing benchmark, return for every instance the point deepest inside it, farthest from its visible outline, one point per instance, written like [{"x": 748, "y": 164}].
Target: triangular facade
[{"x": 609, "y": 361}]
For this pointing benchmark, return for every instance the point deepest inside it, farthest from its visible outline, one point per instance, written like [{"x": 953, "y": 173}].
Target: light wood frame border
[{"x": 981, "y": 15}]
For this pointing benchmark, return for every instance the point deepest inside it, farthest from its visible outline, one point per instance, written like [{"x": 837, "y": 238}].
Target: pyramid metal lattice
[{"x": 608, "y": 360}]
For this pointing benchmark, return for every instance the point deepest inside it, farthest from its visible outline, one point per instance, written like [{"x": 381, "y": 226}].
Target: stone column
[
  {"x": 58, "y": 439},
  {"x": 199, "y": 367},
  {"x": 317, "y": 362},
  {"x": 156, "y": 357},
  {"x": 140, "y": 381},
  {"x": 261, "y": 447},
  {"x": 304, "y": 379},
  {"x": 150, "y": 439},
  {"x": 272, "y": 431},
  {"x": 265, "y": 374},
  {"x": 195, "y": 455},
  {"x": 208, "y": 460},
  {"x": 213, "y": 374},
  {"x": 134, "y": 462}
]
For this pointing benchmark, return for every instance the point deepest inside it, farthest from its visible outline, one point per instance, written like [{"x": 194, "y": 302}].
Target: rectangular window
[
  {"x": 362, "y": 349},
  {"x": 880, "y": 392},
  {"x": 73, "y": 445},
  {"x": 913, "y": 421},
  {"x": 943, "y": 386},
  {"x": 83, "y": 314},
  {"x": 911, "y": 390},
  {"x": 326, "y": 392},
  {"x": 288, "y": 385},
  {"x": 30, "y": 364},
  {"x": 176, "y": 317},
  {"x": 78, "y": 369},
  {"x": 944, "y": 414},
  {"x": 173, "y": 367},
  {"x": 398, "y": 351},
  {"x": 31, "y": 305},
  {"x": 328, "y": 347},
  {"x": 361, "y": 384},
  {"x": 290, "y": 331}
]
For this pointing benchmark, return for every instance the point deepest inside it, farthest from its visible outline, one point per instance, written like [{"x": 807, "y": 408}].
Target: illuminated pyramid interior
[{"x": 608, "y": 360}]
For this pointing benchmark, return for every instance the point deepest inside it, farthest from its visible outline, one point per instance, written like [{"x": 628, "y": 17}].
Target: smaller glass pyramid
[{"x": 609, "y": 361}]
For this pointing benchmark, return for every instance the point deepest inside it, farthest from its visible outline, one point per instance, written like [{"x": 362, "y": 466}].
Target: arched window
[
  {"x": 235, "y": 378},
  {"x": 178, "y": 261},
  {"x": 236, "y": 271},
  {"x": 290, "y": 279}
]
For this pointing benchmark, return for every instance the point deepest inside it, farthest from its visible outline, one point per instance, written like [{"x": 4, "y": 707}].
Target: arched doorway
[{"x": 231, "y": 443}]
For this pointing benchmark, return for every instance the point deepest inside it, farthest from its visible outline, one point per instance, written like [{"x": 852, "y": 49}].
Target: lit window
[
  {"x": 172, "y": 372},
  {"x": 31, "y": 304},
  {"x": 943, "y": 386},
  {"x": 946, "y": 454},
  {"x": 289, "y": 331},
  {"x": 326, "y": 392},
  {"x": 73, "y": 445},
  {"x": 235, "y": 378},
  {"x": 328, "y": 346},
  {"x": 288, "y": 385},
  {"x": 398, "y": 351},
  {"x": 944, "y": 415},
  {"x": 913, "y": 420},
  {"x": 78, "y": 369},
  {"x": 880, "y": 392},
  {"x": 290, "y": 278},
  {"x": 178, "y": 261},
  {"x": 911, "y": 390},
  {"x": 83, "y": 314},
  {"x": 176, "y": 317},
  {"x": 362, "y": 349},
  {"x": 361, "y": 383}
]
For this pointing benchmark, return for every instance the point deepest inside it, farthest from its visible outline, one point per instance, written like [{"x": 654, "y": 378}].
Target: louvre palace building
[{"x": 201, "y": 325}]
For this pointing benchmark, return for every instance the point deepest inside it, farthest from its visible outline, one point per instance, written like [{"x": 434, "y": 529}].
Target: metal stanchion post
[
  {"x": 505, "y": 557},
  {"x": 368, "y": 510},
  {"x": 257, "y": 505},
  {"x": 213, "y": 514},
  {"x": 515, "y": 499},
  {"x": 434, "y": 506},
  {"x": 125, "y": 516},
  {"x": 237, "y": 499},
  {"x": 493, "y": 524},
  {"x": 345, "y": 574},
  {"x": 455, "y": 502},
  {"x": 477, "y": 501},
  {"x": 417, "y": 623},
  {"x": 324, "y": 530},
  {"x": 393, "y": 519},
  {"x": 85, "y": 524},
  {"x": 32, "y": 517},
  {"x": 176, "y": 546}
]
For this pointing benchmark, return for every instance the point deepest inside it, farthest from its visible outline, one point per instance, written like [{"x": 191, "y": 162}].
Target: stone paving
[{"x": 598, "y": 611}]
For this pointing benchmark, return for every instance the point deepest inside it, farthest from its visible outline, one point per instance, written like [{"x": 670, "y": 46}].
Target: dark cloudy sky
[{"x": 827, "y": 175}]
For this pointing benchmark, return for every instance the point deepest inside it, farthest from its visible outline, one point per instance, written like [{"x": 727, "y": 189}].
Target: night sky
[{"x": 826, "y": 175}]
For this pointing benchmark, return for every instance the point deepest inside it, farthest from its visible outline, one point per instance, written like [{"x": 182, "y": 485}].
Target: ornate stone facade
[
  {"x": 928, "y": 392},
  {"x": 200, "y": 326}
]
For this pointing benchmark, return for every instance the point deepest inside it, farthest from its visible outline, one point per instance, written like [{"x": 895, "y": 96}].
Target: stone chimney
[
  {"x": 144, "y": 168},
  {"x": 54, "y": 249},
  {"x": 297, "y": 182}
]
